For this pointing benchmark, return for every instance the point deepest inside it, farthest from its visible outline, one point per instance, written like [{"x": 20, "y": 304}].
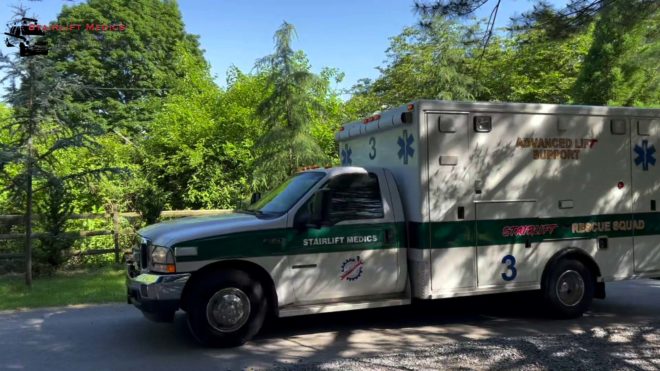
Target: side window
[{"x": 354, "y": 196}]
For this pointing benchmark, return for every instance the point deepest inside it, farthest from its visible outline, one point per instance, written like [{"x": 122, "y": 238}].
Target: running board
[{"x": 299, "y": 310}]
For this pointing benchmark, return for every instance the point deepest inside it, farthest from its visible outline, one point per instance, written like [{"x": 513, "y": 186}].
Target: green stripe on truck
[
  {"x": 521, "y": 230},
  {"x": 434, "y": 235},
  {"x": 274, "y": 242}
]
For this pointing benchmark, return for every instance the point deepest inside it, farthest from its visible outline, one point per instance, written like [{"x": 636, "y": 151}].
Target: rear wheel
[
  {"x": 226, "y": 309},
  {"x": 569, "y": 288}
]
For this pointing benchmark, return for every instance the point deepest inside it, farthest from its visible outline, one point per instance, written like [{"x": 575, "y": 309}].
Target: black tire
[
  {"x": 216, "y": 285},
  {"x": 569, "y": 289}
]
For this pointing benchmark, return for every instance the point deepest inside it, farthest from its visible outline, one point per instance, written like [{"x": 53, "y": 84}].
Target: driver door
[{"x": 354, "y": 250}]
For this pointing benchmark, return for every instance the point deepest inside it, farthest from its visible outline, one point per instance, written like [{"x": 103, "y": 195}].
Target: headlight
[{"x": 162, "y": 260}]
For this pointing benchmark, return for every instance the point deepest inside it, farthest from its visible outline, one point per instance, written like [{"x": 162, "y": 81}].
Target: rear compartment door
[
  {"x": 451, "y": 212},
  {"x": 507, "y": 243},
  {"x": 645, "y": 135}
]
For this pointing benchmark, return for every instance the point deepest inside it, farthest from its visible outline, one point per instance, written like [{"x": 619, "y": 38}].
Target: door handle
[
  {"x": 276, "y": 241},
  {"x": 302, "y": 266}
]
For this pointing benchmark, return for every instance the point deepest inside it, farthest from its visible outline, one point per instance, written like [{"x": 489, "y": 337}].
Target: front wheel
[
  {"x": 226, "y": 309},
  {"x": 569, "y": 289}
]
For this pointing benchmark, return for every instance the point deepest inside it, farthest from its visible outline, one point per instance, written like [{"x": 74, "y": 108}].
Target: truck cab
[{"x": 324, "y": 240}]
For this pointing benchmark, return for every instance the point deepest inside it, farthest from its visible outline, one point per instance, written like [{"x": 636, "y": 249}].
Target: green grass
[{"x": 105, "y": 285}]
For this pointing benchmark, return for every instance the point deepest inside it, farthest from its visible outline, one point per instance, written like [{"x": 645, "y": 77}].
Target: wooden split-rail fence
[{"x": 116, "y": 230}]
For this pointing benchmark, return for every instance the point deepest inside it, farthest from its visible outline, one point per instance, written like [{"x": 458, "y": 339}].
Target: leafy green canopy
[
  {"x": 423, "y": 62},
  {"x": 123, "y": 69},
  {"x": 529, "y": 67},
  {"x": 131, "y": 79},
  {"x": 622, "y": 66},
  {"x": 609, "y": 62}
]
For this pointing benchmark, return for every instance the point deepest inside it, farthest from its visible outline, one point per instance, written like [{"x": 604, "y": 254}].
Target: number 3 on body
[
  {"x": 511, "y": 271},
  {"x": 372, "y": 143}
]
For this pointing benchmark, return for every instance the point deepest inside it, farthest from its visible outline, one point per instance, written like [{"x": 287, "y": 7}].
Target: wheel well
[
  {"x": 584, "y": 258},
  {"x": 253, "y": 269}
]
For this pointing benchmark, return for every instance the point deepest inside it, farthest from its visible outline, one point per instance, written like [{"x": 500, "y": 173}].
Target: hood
[{"x": 197, "y": 227}]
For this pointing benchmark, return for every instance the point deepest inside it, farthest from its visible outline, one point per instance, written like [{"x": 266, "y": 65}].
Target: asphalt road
[{"x": 117, "y": 337}]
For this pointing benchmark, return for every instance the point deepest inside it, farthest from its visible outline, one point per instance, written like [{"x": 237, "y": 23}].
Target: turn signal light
[
  {"x": 310, "y": 167},
  {"x": 169, "y": 268},
  {"x": 370, "y": 119}
]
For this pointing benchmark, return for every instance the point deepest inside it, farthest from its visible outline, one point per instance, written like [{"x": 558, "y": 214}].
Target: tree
[
  {"x": 621, "y": 67},
  {"x": 573, "y": 18},
  {"x": 42, "y": 125},
  {"x": 530, "y": 68},
  {"x": 129, "y": 77},
  {"x": 124, "y": 71},
  {"x": 423, "y": 62},
  {"x": 327, "y": 120},
  {"x": 56, "y": 207},
  {"x": 185, "y": 151},
  {"x": 287, "y": 112}
]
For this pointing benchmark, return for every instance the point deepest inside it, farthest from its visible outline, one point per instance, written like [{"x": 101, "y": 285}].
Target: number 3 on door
[{"x": 511, "y": 270}]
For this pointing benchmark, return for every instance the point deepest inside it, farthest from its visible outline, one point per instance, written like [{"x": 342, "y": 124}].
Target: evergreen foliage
[{"x": 287, "y": 111}]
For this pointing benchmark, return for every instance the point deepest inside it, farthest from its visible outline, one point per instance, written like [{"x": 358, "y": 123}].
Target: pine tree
[
  {"x": 42, "y": 125},
  {"x": 287, "y": 113}
]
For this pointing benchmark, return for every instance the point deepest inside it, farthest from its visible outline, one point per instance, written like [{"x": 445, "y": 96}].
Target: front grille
[
  {"x": 144, "y": 253},
  {"x": 141, "y": 252}
]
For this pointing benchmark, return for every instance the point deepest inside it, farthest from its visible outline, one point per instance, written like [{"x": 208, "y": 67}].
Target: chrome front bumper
[
  {"x": 156, "y": 295},
  {"x": 158, "y": 287}
]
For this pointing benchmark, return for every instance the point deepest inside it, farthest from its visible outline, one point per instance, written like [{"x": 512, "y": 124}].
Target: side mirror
[{"x": 255, "y": 197}]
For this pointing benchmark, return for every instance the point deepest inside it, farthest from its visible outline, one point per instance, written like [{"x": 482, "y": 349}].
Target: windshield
[{"x": 282, "y": 198}]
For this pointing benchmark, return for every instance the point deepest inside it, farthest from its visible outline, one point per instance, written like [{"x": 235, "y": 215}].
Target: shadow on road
[
  {"x": 468, "y": 310},
  {"x": 116, "y": 336}
]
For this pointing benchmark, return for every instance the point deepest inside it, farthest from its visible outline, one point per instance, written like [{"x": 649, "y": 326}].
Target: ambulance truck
[{"x": 434, "y": 199}]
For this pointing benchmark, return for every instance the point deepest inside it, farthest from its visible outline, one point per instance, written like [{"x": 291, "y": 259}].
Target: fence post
[{"x": 115, "y": 230}]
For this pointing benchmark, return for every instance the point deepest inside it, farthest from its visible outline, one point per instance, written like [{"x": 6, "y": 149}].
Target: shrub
[{"x": 55, "y": 209}]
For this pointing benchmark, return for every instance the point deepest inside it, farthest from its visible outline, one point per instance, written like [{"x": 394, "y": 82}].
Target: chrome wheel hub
[
  {"x": 228, "y": 309},
  {"x": 570, "y": 288}
]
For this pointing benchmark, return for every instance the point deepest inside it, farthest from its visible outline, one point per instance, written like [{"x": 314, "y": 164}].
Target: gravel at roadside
[{"x": 615, "y": 348}]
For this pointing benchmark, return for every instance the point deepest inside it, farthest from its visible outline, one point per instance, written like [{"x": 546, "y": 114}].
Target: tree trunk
[
  {"x": 30, "y": 165},
  {"x": 28, "y": 220}
]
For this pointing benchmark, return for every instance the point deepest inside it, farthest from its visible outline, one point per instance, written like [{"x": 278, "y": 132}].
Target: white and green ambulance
[{"x": 433, "y": 200}]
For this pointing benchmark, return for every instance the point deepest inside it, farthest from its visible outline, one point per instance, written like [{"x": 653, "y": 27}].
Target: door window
[{"x": 354, "y": 197}]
